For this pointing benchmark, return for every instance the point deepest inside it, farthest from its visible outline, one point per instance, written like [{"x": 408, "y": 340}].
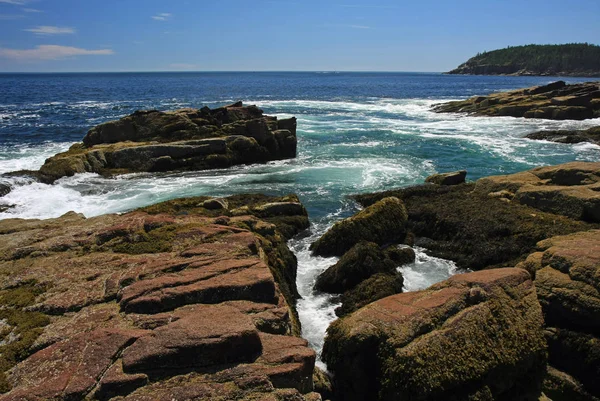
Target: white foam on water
[
  {"x": 426, "y": 270},
  {"x": 28, "y": 157}
]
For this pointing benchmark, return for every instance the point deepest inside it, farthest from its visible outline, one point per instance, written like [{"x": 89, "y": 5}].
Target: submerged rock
[
  {"x": 473, "y": 336},
  {"x": 555, "y": 101},
  {"x": 186, "y": 139},
  {"x": 382, "y": 223},
  {"x": 172, "y": 301}
]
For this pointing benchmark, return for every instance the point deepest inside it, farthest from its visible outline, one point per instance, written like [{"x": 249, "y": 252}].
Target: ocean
[{"x": 357, "y": 132}]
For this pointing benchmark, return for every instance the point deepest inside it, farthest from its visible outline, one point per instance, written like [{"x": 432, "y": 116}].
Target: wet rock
[
  {"x": 358, "y": 264},
  {"x": 401, "y": 255},
  {"x": 377, "y": 286},
  {"x": 383, "y": 223},
  {"x": 427, "y": 345},
  {"x": 4, "y": 189},
  {"x": 560, "y": 386},
  {"x": 555, "y": 101},
  {"x": 452, "y": 178},
  {"x": 180, "y": 140}
]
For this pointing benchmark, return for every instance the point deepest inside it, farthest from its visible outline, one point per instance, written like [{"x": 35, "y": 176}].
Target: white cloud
[
  {"x": 51, "y": 30},
  {"x": 51, "y": 52},
  {"x": 162, "y": 16},
  {"x": 16, "y": 2},
  {"x": 32, "y": 10}
]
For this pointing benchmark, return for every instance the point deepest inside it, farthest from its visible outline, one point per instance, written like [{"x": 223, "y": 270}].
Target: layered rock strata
[
  {"x": 555, "y": 101},
  {"x": 180, "y": 140},
  {"x": 174, "y": 301}
]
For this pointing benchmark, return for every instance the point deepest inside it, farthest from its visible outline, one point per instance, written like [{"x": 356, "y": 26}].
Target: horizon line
[{"x": 216, "y": 71}]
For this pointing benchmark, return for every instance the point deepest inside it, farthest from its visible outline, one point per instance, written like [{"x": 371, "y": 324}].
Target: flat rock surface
[{"x": 154, "y": 303}]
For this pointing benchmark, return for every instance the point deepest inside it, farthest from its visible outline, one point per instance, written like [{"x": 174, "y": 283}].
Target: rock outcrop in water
[
  {"x": 591, "y": 135},
  {"x": 170, "y": 302},
  {"x": 476, "y": 336},
  {"x": 555, "y": 101},
  {"x": 181, "y": 140},
  {"x": 485, "y": 335}
]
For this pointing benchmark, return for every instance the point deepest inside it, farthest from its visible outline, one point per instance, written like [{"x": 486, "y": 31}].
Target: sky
[{"x": 278, "y": 35}]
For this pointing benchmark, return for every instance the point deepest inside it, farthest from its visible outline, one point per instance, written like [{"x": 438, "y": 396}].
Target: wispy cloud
[
  {"x": 162, "y": 16},
  {"x": 32, "y": 10},
  {"x": 50, "y": 52},
  {"x": 51, "y": 30},
  {"x": 15, "y": 2}
]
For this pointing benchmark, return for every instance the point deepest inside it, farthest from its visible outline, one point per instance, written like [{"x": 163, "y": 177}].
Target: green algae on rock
[
  {"x": 555, "y": 101},
  {"x": 382, "y": 223},
  {"x": 475, "y": 336},
  {"x": 497, "y": 221},
  {"x": 180, "y": 140}
]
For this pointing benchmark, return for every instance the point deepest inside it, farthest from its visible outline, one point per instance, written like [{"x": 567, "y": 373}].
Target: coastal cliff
[
  {"x": 574, "y": 60},
  {"x": 187, "y": 299},
  {"x": 180, "y": 140}
]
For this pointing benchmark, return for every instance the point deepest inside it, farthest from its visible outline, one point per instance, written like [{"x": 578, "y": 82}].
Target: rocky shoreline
[
  {"x": 555, "y": 101},
  {"x": 194, "y": 298},
  {"x": 523, "y": 327},
  {"x": 180, "y": 300}
]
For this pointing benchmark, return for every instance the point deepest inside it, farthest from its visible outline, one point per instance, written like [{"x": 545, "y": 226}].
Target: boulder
[
  {"x": 382, "y": 223},
  {"x": 475, "y": 336},
  {"x": 452, "y": 178},
  {"x": 377, "y": 286},
  {"x": 555, "y": 101},
  {"x": 180, "y": 140},
  {"x": 358, "y": 264},
  {"x": 401, "y": 255}
]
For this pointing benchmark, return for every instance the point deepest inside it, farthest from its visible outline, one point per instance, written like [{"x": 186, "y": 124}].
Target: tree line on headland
[{"x": 572, "y": 59}]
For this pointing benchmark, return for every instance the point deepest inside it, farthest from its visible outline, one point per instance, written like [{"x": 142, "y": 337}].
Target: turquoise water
[{"x": 357, "y": 132}]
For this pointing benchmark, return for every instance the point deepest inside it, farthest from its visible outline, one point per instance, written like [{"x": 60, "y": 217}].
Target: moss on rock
[{"x": 383, "y": 222}]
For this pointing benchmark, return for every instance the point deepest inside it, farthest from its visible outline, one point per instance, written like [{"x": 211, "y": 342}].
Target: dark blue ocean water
[{"x": 357, "y": 132}]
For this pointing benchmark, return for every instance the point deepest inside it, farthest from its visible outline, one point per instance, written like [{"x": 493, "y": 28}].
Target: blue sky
[{"x": 236, "y": 35}]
